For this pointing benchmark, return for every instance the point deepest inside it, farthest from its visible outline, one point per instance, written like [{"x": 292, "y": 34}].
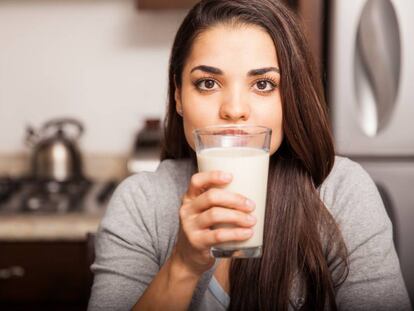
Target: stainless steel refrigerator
[{"x": 371, "y": 99}]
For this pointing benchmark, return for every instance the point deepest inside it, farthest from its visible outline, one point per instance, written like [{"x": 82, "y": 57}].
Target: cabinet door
[
  {"x": 33, "y": 273},
  {"x": 165, "y": 4}
]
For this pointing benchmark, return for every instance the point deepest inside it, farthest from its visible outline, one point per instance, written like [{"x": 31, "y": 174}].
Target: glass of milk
[{"x": 243, "y": 151}]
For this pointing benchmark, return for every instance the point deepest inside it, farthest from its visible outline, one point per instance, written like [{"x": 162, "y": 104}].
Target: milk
[{"x": 249, "y": 167}]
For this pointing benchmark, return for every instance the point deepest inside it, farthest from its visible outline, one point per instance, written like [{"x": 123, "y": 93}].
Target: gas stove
[{"x": 29, "y": 195}]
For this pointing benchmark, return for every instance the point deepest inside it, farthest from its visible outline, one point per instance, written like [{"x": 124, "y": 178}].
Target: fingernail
[
  {"x": 247, "y": 232},
  {"x": 251, "y": 218},
  {"x": 226, "y": 176},
  {"x": 250, "y": 204}
]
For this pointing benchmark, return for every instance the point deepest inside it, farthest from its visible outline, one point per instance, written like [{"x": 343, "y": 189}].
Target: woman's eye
[
  {"x": 206, "y": 84},
  {"x": 265, "y": 86}
]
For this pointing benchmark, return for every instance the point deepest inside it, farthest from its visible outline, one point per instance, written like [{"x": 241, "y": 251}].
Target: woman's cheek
[{"x": 276, "y": 140}]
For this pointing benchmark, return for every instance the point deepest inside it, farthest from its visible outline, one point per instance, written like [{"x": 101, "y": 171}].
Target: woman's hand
[{"x": 203, "y": 207}]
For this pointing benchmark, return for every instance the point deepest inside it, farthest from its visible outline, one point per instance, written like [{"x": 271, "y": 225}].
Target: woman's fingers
[
  {"x": 209, "y": 238},
  {"x": 220, "y": 215},
  {"x": 224, "y": 198},
  {"x": 202, "y": 181},
  {"x": 207, "y": 204}
]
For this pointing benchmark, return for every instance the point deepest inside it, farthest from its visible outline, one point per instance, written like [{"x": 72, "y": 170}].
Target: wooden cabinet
[
  {"x": 165, "y": 4},
  {"x": 44, "y": 275},
  {"x": 181, "y": 4},
  {"x": 312, "y": 13}
]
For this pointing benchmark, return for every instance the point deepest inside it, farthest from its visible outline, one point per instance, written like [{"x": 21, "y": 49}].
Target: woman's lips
[{"x": 232, "y": 132}]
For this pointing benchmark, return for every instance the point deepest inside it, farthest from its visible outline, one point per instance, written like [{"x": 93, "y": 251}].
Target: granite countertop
[{"x": 48, "y": 227}]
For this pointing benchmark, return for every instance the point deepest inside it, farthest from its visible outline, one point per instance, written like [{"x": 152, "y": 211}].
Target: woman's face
[{"x": 231, "y": 77}]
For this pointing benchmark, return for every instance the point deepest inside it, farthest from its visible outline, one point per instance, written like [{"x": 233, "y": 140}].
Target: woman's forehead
[{"x": 241, "y": 47}]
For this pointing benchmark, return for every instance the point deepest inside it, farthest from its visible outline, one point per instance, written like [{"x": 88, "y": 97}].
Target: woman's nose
[{"x": 234, "y": 109}]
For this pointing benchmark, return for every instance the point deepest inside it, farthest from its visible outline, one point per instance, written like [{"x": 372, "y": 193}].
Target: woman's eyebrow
[
  {"x": 261, "y": 71},
  {"x": 217, "y": 71},
  {"x": 208, "y": 69}
]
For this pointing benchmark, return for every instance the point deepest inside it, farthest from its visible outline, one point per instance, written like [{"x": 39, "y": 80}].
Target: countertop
[
  {"x": 16, "y": 225},
  {"x": 50, "y": 227},
  {"x": 71, "y": 226}
]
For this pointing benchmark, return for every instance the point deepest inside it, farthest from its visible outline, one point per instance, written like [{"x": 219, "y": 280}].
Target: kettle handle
[
  {"x": 62, "y": 122},
  {"x": 32, "y": 137}
]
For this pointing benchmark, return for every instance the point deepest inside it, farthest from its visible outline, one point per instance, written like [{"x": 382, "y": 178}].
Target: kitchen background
[{"x": 103, "y": 64}]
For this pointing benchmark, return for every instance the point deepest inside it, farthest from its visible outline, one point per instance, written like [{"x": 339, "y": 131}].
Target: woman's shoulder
[
  {"x": 349, "y": 189},
  {"x": 344, "y": 169},
  {"x": 178, "y": 170},
  {"x": 150, "y": 195},
  {"x": 374, "y": 276},
  {"x": 170, "y": 176},
  {"x": 345, "y": 174},
  {"x": 144, "y": 206}
]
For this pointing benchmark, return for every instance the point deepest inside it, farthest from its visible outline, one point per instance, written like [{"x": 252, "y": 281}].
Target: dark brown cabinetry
[
  {"x": 44, "y": 275},
  {"x": 165, "y": 4}
]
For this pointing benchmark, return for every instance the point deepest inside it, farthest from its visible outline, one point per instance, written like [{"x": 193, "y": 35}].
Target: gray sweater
[{"x": 139, "y": 229}]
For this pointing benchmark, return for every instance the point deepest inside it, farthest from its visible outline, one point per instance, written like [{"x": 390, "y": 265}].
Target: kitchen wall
[{"x": 101, "y": 61}]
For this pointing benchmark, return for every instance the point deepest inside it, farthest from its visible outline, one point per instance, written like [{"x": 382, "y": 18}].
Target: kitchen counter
[
  {"x": 48, "y": 227},
  {"x": 17, "y": 225},
  {"x": 96, "y": 166}
]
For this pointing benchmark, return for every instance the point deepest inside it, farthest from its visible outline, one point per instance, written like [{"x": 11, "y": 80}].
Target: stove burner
[
  {"x": 54, "y": 196},
  {"x": 29, "y": 194},
  {"x": 42, "y": 202}
]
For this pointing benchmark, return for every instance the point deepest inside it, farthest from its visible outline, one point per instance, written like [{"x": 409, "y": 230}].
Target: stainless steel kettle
[{"x": 55, "y": 153}]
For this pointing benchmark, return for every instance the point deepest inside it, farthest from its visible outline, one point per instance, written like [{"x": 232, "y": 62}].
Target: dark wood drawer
[{"x": 44, "y": 272}]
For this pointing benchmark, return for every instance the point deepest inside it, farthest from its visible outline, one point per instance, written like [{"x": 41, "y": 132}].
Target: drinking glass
[{"x": 243, "y": 151}]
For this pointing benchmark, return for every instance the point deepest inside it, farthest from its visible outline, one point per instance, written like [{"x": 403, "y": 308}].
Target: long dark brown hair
[{"x": 301, "y": 239}]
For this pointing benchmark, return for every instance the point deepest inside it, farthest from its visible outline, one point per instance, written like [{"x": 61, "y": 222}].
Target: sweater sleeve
[
  {"x": 126, "y": 258},
  {"x": 374, "y": 281}
]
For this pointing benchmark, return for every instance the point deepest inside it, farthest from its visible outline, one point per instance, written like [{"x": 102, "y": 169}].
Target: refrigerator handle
[{"x": 377, "y": 65}]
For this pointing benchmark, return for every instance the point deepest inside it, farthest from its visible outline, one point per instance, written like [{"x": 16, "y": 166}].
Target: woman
[{"x": 327, "y": 241}]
